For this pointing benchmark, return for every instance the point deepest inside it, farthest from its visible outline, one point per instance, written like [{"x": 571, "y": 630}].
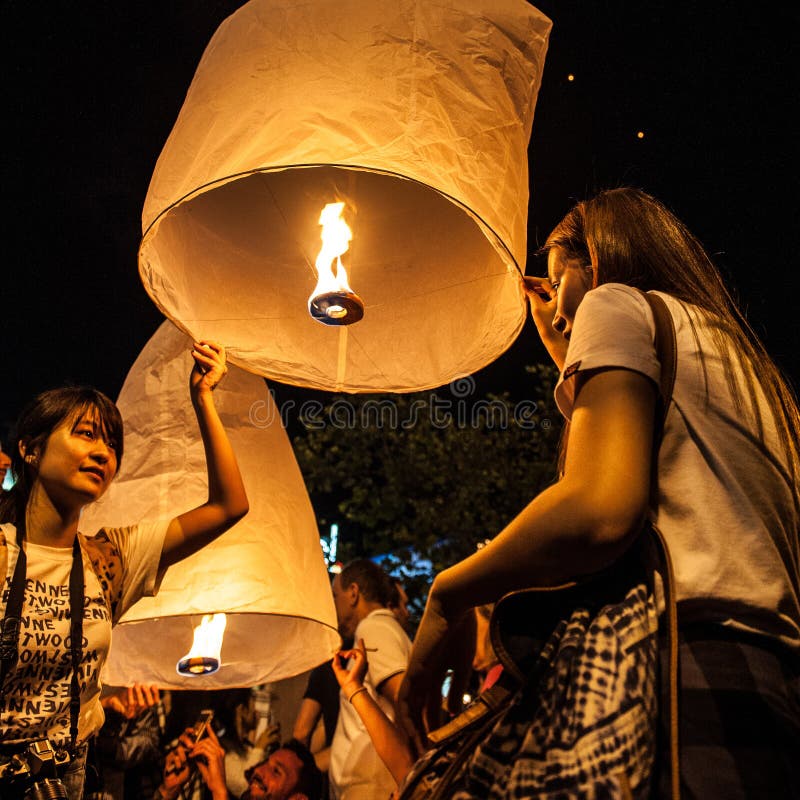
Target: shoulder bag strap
[
  {"x": 76, "y": 593},
  {"x": 9, "y": 640},
  {"x": 666, "y": 350}
]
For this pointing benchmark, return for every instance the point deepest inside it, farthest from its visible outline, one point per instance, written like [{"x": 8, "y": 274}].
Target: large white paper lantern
[
  {"x": 415, "y": 114},
  {"x": 267, "y": 573}
]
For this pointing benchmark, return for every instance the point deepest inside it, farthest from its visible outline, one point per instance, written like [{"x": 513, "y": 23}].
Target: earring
[{"x": 30, "y": 459}]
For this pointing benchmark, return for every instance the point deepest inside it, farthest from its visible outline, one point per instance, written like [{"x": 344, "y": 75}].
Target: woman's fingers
[
  {"x": 151, "y": 694},
  {"x": 539, "y": 288},
  {"x": 207, "y": 358},
  {"x": 350, "y": 665},
  {"x": 542, "y": 301},
  {"x": 210, "y": 364}
]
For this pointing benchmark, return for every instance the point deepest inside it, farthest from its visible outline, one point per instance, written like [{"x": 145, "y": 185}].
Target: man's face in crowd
[
  {"x": 345, "y": 608},
  {"x": 277, "y": 779}
]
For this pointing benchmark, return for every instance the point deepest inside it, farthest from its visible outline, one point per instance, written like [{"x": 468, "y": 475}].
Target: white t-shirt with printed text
[{"x": 37, "y": 695}]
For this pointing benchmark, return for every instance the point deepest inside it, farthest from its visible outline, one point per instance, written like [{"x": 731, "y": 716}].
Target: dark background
[{"x": 91, "y": 91}]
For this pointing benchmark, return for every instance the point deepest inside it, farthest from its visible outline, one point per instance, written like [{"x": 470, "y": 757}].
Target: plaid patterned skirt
[
  {"x": 739, "y": 717},
  {"x": 585, "y": 724}
]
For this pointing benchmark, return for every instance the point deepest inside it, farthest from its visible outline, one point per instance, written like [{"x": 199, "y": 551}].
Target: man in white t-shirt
[{"x": 361, "y": 593}]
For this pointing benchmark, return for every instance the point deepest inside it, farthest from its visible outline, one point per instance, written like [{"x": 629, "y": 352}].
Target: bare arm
[
  {"x": 389, "y": 740},
  {"x": 307, "y": 718},
  {"x": 579, "y": 525},
  {"x": 227, "y": 500},
  {"x": 586, "y": 520}
]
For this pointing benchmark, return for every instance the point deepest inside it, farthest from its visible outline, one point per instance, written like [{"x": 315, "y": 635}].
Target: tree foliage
[{"x": 429, "y": 476}]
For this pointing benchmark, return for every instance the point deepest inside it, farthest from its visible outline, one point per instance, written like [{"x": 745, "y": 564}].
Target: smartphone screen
[
  {"x": 446, "y": 683},
  {"x": 262, "y": 705}
]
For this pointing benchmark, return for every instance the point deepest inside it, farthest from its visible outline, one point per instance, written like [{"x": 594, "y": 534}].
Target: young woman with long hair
[
  {"x": 728, "y": 500},
  {"x": 68, "y": 448}
]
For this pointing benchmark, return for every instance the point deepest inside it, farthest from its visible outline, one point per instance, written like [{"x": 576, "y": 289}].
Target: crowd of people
[
  {"x": 345, "y": 742},
  {"x": 716, "y": 470}
]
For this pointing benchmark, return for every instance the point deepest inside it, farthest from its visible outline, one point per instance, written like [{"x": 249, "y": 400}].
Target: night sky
[{"x": 91, "y": 91}]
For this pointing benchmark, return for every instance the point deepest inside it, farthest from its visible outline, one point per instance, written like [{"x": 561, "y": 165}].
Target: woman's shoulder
[
  {"x": 616, "y": 294},
  {"x": 629, "y": 297},
  {"x": 8, "y": 535},
  {"x": 611, "y": 305},
  {"x": 611, "y": 309}
]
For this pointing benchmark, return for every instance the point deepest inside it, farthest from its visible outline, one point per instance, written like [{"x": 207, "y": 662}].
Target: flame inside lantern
[
  {"x": 333, "y": 302},
  {"x": 204, "y": 657}
]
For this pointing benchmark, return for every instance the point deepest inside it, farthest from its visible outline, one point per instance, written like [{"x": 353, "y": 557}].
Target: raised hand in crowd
[
  {"x": 391, "y": 744},
  {"x": 130, "y": 701},
  {"x": 206, "y": 757},
  {"x": 246, "y": 721}
]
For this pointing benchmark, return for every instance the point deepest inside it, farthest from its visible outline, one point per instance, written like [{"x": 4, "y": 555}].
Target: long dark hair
[
  {"x": 38, "y": 420},
  {"x": 632, "y": 238}
]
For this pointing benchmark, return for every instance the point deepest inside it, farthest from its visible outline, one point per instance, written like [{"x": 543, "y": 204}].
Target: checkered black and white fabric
[{"x": 582, "y": 726}]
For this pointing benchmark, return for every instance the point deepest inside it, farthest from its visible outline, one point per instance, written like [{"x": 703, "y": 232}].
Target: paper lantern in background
[
  {"x": 417, "y": 116},
  {"x": 267, "y": 573}
]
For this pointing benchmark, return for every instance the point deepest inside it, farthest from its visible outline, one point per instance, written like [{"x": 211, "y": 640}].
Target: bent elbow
[
  {"x": 234, "y": 510},
  {"x": 239, "y": 511},
  {"x": 614, "y": 533}
]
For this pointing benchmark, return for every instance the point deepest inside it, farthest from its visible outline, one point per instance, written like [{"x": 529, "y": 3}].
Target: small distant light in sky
[
  {"x": 640, "y": 134},
  {"x": 570, "y": 77}
]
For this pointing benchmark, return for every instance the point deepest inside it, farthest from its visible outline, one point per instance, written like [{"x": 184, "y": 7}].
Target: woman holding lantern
[
  {"x": 718, "y": 475},
  {"x": 68, "y": 449}
]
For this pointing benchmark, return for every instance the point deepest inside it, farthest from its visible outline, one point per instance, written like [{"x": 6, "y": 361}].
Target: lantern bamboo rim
[{"x": 218, "y": 182}]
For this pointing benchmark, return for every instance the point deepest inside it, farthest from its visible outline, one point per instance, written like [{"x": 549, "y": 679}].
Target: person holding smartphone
[{"x": 289, "y": 773}]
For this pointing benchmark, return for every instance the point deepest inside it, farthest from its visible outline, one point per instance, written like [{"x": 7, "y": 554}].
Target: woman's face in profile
[{"x": 571, "y": 279}]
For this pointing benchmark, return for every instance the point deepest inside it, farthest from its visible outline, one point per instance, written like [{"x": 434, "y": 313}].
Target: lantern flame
[
  {"x": 336, "y": 236},
  {"x": 204, "y": 657},
  {"x": 333, "y": 301}
]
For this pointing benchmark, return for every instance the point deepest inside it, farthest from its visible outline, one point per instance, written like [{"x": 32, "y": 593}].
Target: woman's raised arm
[{"x": 227, "y": 500}]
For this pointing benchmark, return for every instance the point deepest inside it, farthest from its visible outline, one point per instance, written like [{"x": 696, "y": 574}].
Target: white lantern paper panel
[
  {"x": 267, "y": 573},
  {"x": 417, "y": 116}
]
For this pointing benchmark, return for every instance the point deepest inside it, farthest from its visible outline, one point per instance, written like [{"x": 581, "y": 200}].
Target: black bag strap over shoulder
[
  {"x": 666, "y": 350},
  {"x": 9, "y": 640}
]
